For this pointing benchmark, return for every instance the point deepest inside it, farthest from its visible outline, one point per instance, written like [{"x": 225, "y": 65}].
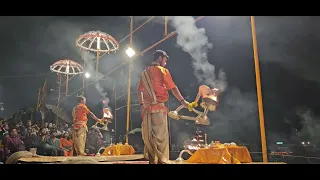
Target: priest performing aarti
[
  {"x": 155, "y": 81},
  {"x": 80, "y": 129}
]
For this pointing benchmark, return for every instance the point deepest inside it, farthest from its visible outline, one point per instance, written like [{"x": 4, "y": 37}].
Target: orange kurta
[
  {"x": 80, "y": 113},
  {"x": 161, "y": 82},
  {"x": 66, "y": 144}
]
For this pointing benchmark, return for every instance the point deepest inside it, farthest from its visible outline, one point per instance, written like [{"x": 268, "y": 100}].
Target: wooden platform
[
  {"x": 126, "y": 162},
  {"x": 122, "y": 159},
  {"x": 52, "y": 159}
]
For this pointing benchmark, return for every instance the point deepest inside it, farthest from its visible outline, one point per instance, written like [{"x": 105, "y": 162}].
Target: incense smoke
[
  {"x": 311, "y": 126},
  {"x": 89, "y": 59},
  {"x": 194, "y": 41}
]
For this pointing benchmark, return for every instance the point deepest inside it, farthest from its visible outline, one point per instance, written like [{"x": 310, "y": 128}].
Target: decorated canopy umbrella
[
  {"x": 66, "y": 67},
  {"x": 99, "y": 42}
]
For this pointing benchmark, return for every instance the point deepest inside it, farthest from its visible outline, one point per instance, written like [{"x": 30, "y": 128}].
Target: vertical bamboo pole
[
  {"x": 83, "y": 77},
  {"x": 165, "y": 25},
  {"x": 259, "y": 91},
  {"x": 97, "y": 63},
  {"x": 115, "y": 111},
  {"x": 59, "y": 89},
  {"x": 129, "y": 85},
  {"x": 67, "y": 84}
]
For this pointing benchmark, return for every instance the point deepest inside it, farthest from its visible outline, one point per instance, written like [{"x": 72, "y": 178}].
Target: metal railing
[{"x": 289, "y": 159}]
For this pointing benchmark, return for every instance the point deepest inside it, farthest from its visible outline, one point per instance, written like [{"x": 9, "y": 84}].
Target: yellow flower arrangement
[{"x": 192, "y": 105}]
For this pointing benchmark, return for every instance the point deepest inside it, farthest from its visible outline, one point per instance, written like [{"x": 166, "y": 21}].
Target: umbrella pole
[
  {"x": 59, "y": 90},
  {"x": 67, "y": 84},
  {"x": 97, "y": 63},
  {"x": 59, "y": 96},
  {"x": 83, "y": 76}
]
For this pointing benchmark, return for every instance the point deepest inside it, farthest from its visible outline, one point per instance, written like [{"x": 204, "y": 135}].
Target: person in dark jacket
[
  {"x": 41, "y": 143},
  {"x": 13, "y": 143}
]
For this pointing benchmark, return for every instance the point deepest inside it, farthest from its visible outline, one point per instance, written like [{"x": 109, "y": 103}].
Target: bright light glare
[
  {"x": 87, "y": 75},
  {"x": 130, "y": 52}
]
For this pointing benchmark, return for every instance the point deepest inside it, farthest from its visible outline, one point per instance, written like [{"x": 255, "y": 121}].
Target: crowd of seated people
[{"x": 50, "y": 140}]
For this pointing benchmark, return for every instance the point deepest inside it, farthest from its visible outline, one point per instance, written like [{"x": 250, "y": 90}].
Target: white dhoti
[
  {"x": 156, "y": 137},
  {"x": 79, "y": 137}
]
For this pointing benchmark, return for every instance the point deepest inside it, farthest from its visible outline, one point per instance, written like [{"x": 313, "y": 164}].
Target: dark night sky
[{"x": 288, "y": 52}]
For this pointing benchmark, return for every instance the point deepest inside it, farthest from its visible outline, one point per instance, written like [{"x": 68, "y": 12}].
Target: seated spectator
[
  {"x": 4, "y": 130},
  {"x": 35, "y": 128},
  {"x": 54, "y": 142},
  {"x": 1, "y": 156},
  {"x": 61, "y": 131},
  {"x": 12, "y": 143},
  {"x": 40, "y": 142},
  {"x": 46, "y": 126},
  {"x": 54, "y": 126},
  {"x": 66, "y": 144},
  {"x": 67, "y": 128},
  {"x": 29, "y": 138},
  {"x": 29, "y": 123},
  {"x": 50, "y": 126}
]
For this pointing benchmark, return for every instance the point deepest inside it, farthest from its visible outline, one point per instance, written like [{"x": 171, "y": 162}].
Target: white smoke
[
  {"x": 194, "y": 41},
  {"x": 235, "y": 118},
  {"x": 311, "y": 126},
  {"x": 89, "y": 58}
]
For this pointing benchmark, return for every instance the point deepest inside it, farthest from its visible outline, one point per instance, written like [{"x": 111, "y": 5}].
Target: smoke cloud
[
  {"x": 236, "y": 115},
  {"x": 236, "y": 118},
  {"x": 194, "y": 41},
  {"x": 311, "y": 127},
  {"x": 89, "y": 58}
]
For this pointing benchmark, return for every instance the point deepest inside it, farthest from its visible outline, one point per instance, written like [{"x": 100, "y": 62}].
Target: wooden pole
[
  {"x": 97, "y": 63},
  {"x": 59, "y": 96},
  {"x": 83, "y": 77},
  {"x": 59, "y": 90},
  {"x": 165, "y": 25},
  {"x": 115, "y": 111},
  {"x": 39, "y": 96},
  {"x": 67, "y": 79},
  {"x": 259, "y": 91},
  {"x": 67, "y": 84},
  {"x": 129, "y": 85}
]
